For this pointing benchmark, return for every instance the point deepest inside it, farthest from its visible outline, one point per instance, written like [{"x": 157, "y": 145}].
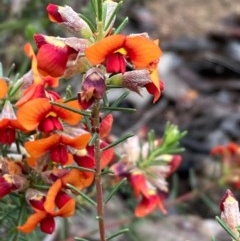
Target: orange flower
[
  {"x": 57, "y": 146},
  {"x": 64, "y": 204},
  {"x": 115, "y": 50},
  {"x": 77, "y": 178},
  {"x": 156, "y": 86},
  {"x": 40, "y": 113},
  {"x": 149, "y": 203}
]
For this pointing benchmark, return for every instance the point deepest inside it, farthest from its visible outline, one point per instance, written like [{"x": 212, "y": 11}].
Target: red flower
[
  {"x": 11, "y": 182},
  {"x": 116, "y": 50},
  {"x": 65, "y": 207},
  {"x": 40, "y": 113},
  {"x": 87, "y": 159},
  {"x": 138, "y": 183},
  {"x": 40, "y": 82},
  {"x": 149, "y": 203},
  {"x": 52, "y": 56},
  {"x": 56, "y": 145},
  {"x": 9, "y": 124}
]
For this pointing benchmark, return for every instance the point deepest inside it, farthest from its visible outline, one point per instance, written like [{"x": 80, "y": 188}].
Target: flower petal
[
  {"x": 106, "y": 156},
  {"x": 154, "y": 87},
  {"x": 53, "y": 13},
  {"x": 40, "y": 147},
  {"x": 3, "y": 88},
  {"x": 79, "y": 142},
  {"x": 32, "y": 222},
  {"x": 146, "y": 206},
  {"x": 67, "y": 210},
  {"x": 139, "y": 184},
  {"x": 79, "y": 179},
  {"x": 68, "y": 116},
  {"x": 39, "y": 79},
  {"x": 106, "y": 126},
  {"x": 98, "y": 52},
  {"x": 52, "y": 60},
  {"x": 52, "y": 56},
  {"x": 31, "y": 113},
  {"x": 47, "y": 225},
  {"x": 142, "y": 51},
  {"x": 32, "y": 92},
  {"x": 5, "y": 185},
  {"x": 66, "y": 205},
  {"x": 49, "y": 204}
]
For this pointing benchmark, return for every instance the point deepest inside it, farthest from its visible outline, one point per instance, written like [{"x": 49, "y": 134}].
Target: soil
[{"x": 176, "y": 18}]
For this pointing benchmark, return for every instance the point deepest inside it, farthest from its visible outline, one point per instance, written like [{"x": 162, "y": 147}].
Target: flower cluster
[
  {"x": 147, "y": 166},
  {"x": 229, "y": 156},
  {"x": 50, "y": 142}
]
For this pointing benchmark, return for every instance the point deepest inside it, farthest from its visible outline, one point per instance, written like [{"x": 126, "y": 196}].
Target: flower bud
[
  {"x": 230, "y": 211},
  {"x": 136, "y": 79},
  {"x": 93, "y": 87},
  {"x": 70, "y": 19}
]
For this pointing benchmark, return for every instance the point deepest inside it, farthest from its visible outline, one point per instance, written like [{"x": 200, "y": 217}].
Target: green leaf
[
  {"x": 81, "y": 112},
  {"x": 99, "y": 10},
  {"x": 86, "y": 197},
  {"x": 11, "y": 69},
  {"x": 69, "y": 92},
  {"x": 81, "y": 239},
  {"x": 123, "y": 109},
  {"x": 124, "y": 230},
  {"x": 80, "y": 168},
  {"x": 93, "y": 139},
  {"x": 120, "y": 140},
  {"x": 106, "y": 26},
  {"x": 121, "y": 26},
  {"x": 226, "y": 228},
  {"x": 117, "y": 102},
  {"x": 1, "y": 70},
  {"x": 88, "y": 21},
  {"x": 210, "y": 203},
  {"x": 115, "y": 189}
]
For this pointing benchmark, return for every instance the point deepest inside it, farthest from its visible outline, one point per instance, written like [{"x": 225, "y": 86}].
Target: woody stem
[{"x": 98, "y": 176}]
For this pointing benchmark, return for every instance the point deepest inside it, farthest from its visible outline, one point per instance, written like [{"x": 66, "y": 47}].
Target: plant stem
[{"x": 98, "y": 176}]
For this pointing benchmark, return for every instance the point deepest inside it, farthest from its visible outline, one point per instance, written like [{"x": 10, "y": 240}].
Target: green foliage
[{"x": 13, "y": 212}]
